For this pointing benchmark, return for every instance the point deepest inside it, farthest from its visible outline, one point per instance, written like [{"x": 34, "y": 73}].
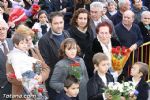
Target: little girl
[
  {"x": 42, "y": 25},
  {"x": 70, "y": 64}
]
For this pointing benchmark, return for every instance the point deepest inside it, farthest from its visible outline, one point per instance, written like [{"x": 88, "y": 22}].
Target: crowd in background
[{"x": 61, "y": 32}]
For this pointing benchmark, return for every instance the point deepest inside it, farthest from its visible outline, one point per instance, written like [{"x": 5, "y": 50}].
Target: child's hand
[
  {"x": 108, "y": 96},
  {"x": 38, "y": 77}
]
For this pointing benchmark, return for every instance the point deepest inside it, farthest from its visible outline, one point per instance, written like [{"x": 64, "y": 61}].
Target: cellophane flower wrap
[
  {"x": 120, "y": 56},
  {"x": 75, "y": 69},
  {"x": 125, "y": 89}
]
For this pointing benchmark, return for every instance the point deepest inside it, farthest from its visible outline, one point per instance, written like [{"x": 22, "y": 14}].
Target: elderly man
[
  {"x": 123, "y": 6},
  {"x": 50, "y": 42},
  {"x": 96, "y": 9},
  {"x": 129, "y": 34},
  {"x": 5, "y": 46}
]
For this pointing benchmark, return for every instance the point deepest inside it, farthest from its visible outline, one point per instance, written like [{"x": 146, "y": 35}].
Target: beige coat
[{"x": 17, "y": 88}]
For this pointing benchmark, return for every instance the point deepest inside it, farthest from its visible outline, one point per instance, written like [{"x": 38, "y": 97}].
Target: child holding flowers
[
  {"x": 101, "y": 78},
  {"x": 138, "y": 72},
  {"x": 70, "y": 64}
]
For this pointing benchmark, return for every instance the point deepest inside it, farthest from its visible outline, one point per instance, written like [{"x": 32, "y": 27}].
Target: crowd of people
[{"x": 72, "y": 40}]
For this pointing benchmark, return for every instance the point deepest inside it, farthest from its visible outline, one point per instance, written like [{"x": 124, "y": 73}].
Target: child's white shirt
[{"x": 20, "y": 62}]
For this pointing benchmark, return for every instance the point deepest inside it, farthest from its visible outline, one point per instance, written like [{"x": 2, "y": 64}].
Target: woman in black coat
[
  {"x": 83, "y": 35},
  {"x": 103, "y": 43}
]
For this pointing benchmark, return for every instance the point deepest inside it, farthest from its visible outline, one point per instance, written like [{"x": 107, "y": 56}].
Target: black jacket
[
  {"x": 49, "y": 49},
  {"x": 142, "y": 87},
  {"x": 145, "y": 32},
  {"x": 63, "y": 96},
  {"x": 95, "y": 86},
  {"x": 98, "y": 48}
]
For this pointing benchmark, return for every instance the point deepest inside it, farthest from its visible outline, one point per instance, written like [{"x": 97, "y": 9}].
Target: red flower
[
  {"x": 40, "y": 90},
  {"x": 75, "y": 64}
]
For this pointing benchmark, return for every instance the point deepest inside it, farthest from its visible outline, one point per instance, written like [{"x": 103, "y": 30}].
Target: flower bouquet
[
  {"x": 75, "y": 69},
  {"x": 119, "y": 57},
  {"x": 114, "y": 90},
  {"x": 129, "y": 92}
]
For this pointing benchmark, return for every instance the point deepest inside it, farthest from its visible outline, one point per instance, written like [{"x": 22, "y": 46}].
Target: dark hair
[
  {"x": 143, "y": 68},
  {"x": 42, "y": 12},
  {"x": 104, "y": 23},
  {"x": 76, "y": 15},
  {"x": 69, "y": 42},
  {"x": 54, "y": 14},
  {"x": 71, "y": 79},
  {"x": 98, "y": 57},
  {"x": 17, "y": 37}
]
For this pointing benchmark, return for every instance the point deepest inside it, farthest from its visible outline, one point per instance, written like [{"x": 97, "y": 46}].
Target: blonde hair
[{"x": 23, "y": 29}]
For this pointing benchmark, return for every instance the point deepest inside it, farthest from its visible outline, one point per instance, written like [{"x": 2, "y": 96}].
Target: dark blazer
[
  {"x": 49, "y": 49},
  {"x": 143, "y": 89},
  {"x": 5, "y": 86},
  {"x": 95, "y": 86},
  {"x": 98, "y": 48}
]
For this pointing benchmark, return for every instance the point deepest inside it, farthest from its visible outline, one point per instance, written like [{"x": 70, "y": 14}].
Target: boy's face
[
  {"x": 72, "y": 91},
  {"x": 103, "y": 66},
  {"x": 23, "y": 46},
  {"x": 135, "y": 71}
]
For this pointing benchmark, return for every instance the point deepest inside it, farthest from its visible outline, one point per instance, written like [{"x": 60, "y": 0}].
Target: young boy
[
  {"x": 71, "y": 89},
  {"x": 100, "y": 79},
  {"x": 20, "y": 61},
  {"x": 138, "y": 72}
]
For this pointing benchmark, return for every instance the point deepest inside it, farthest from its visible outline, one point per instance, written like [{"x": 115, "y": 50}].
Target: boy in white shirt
[{"x": 21, "y": 62}]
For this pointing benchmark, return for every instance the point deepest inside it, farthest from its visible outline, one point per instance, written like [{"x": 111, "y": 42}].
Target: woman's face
[
  {"x": 82, "y": 20},
  {"x": 111, "y": 7},
  {"x": 43, "y": 18},
  {"x": 104, "y": 34},
  {"x": 146, "y": 19},
  {"x": 5, "y": 3}
]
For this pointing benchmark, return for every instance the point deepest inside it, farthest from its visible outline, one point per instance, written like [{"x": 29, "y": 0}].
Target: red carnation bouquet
[
  {"x": 75, "y": 70},
  {"x": 120, "y": 56}
]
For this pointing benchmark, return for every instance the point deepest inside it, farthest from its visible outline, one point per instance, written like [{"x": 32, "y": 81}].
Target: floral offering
[
  {"x": 120, "y": 56},
  {"x": 75, "y": 70},
  {"x": 121, "y": 90}
]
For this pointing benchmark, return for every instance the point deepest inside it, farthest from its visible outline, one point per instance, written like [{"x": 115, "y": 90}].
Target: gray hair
[
  {"x": 122, "y": 2},
  {"x": 145, "y": 13},
  {"x": 112, "y": 1},
  {"x": 97, "y": 5}
]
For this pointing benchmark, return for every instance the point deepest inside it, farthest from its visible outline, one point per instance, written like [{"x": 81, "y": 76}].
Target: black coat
[
  {"x": 84, "y": 41},
  {"x": 95, "y": 86},
  {"x": 98, "y": 48},
  {"x": 143, "y": 89},
  {"x": 63, "y": 96},
  {"x": 145, "y": 32}
]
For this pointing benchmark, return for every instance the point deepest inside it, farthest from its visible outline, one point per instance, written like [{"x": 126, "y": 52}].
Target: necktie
[{"x": 5, "y": 48}]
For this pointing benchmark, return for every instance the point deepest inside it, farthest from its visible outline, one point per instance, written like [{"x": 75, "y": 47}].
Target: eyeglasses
[
  {"x": 3, "y": 29},
  {"x": 146, "y": 18}
]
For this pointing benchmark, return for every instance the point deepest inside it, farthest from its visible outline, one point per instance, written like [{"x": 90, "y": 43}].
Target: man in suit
[
  {"x": 50, "y": 42},
  {"x": 96, "y": 9},
  {"x": 5, "y": 46}
]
